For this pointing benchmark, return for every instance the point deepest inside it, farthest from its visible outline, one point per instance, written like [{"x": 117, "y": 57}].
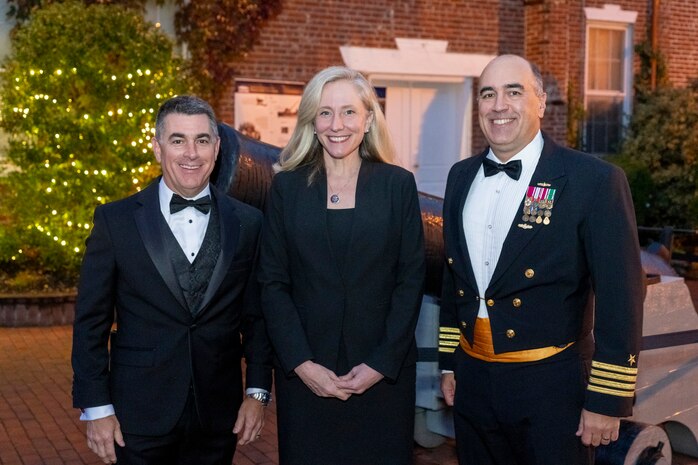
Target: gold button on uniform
[
  {"x": 450, "y": 261},
  {"x": 490, "y": 303},
  {"x": 529, "y": 273},
  {"x": 511, "y": 333},
  {"x": 516, "y": 302},
  {"x": 463, "y": 324},
  {"x": 461, "y": 292}
]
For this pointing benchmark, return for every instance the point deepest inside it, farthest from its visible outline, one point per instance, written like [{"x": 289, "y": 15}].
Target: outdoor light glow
[{"x": 80, "y": 166}]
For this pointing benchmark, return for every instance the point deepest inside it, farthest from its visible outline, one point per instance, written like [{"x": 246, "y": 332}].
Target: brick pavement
[{"x": 38, "y": 426}]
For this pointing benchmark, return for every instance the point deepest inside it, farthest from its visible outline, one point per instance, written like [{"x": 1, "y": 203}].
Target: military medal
[{"x": 538, "y": 205}]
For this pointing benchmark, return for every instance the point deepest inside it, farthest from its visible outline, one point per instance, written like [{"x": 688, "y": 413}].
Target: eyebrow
[
  {"x": 514, "y": 85},
  {"x": 179, "y": 135},
  {"x": 329, "y": 107}
]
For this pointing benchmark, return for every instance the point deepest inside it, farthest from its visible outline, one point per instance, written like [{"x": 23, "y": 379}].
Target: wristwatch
[{"x": 263, "y": 397}]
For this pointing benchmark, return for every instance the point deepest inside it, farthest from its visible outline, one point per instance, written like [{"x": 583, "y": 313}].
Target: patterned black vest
[{"x": 194, "y": 277}]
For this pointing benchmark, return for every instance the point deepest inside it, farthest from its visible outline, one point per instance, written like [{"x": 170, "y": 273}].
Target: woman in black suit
[{"x": 342, "y": 270}]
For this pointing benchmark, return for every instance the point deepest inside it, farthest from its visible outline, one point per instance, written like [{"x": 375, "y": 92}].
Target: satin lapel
[
  {"x": 149, "y": 227},
  {"x": 230, "y": 235},
  {"x": 462, "y": 185},
  {"x": 550, "y": 172}
]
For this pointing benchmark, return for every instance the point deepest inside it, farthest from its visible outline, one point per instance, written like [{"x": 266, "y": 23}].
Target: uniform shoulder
[{"x": 591, "y": 164}]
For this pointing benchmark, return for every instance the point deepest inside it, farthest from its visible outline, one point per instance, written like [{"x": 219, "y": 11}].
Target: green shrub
[
  {"x": 78, "y": 98},
  {"x": 659, "y": 156}
]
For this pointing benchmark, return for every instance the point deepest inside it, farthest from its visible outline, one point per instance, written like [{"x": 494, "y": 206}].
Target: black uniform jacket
[
  {"x": 548, "y": 275},
  {"x": 159, "y": 349},
  {"x": 372, "y": 304}
]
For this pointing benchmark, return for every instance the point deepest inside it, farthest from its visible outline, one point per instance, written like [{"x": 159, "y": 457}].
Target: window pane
[
  {"x": 603, "y": 124},
  {"x": 605, "y": 70}
]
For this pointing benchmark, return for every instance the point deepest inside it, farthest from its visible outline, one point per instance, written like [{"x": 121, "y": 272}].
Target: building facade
[{"x": 425, "y": 56}]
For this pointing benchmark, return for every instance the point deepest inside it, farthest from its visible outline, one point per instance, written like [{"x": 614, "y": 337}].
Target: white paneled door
[{"x": 430, "y": 124}]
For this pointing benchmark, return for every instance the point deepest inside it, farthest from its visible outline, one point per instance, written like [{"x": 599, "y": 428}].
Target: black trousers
[
  {"x": 520, "y": 413},
  {"x": 187, "y": 444}
]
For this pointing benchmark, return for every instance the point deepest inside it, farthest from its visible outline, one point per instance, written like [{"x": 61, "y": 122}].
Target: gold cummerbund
[{"x": 483, "y": 348}]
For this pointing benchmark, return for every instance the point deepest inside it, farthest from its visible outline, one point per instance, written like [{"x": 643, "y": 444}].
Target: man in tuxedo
[
  {"x": 173, "y": 267},
  {"x": 537, "y": 237}
]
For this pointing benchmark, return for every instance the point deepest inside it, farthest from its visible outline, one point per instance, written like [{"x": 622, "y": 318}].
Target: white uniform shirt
[{"x": 490, "y": 208}]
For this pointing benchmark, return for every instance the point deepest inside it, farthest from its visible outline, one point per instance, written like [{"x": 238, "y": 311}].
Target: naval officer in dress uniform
[{"x": 535, "y": 236}]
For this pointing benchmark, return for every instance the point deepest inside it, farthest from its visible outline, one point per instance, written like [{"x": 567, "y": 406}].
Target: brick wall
[
  {"x": 306, "y": 37},
  {"x": 678, "y": 40}
]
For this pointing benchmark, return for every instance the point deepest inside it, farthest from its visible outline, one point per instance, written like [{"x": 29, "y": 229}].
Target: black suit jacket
[
  {"x": 310, "y": 304},
  {"x": 548, "y": 276},
  {"x": 160, "y": 350}
]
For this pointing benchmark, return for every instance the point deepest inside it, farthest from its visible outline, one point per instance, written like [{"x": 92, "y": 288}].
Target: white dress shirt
[
  {"x": 490, "y": 208},
  {"x": 188, "y": 225}
]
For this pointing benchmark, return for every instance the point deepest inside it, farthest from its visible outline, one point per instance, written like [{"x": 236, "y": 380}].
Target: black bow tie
[
  {"x": 512, "y": 169},
  {"x": 178, "y": 203}
]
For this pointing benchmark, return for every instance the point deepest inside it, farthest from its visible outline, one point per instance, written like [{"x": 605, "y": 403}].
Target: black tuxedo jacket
[
  {"x": 549, "y": 276},
  {"x": 159, "y": 350},
  {"x": 311, "y": 303}
]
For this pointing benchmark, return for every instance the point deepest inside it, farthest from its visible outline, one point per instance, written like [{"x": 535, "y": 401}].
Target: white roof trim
[
  {"x": 417, "y": 58},
  {"x": 610, "y": 13}
]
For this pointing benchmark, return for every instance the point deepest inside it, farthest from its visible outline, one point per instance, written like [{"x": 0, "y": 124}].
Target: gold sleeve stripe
[
  {"x": 611, "y": 392},
  {"x": 449, "y": 343},
  {"x": 613, "y": 384},
  {"x": 448, "y": 329},
  {"x": 454, "y": 337},
  {"x": 616, "y": 368},
  {"x": 447, "y": 350},
  {"x": 617, "y": 377}
]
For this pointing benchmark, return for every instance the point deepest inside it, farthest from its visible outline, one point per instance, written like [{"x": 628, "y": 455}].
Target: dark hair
[{"x": 185, "y": 105}]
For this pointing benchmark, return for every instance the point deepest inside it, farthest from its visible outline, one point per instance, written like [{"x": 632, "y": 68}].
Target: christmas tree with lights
[{"x": 78, "y": 97}]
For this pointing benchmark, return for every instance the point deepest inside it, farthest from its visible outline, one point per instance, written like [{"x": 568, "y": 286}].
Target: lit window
[{"x": 608, "y": 92}]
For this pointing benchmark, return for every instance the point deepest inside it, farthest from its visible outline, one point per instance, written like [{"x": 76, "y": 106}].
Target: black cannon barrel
[{"x": 244, "y": 170}]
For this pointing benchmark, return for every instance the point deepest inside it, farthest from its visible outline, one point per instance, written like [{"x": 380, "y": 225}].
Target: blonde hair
[{"x": 304, "y": 149}]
